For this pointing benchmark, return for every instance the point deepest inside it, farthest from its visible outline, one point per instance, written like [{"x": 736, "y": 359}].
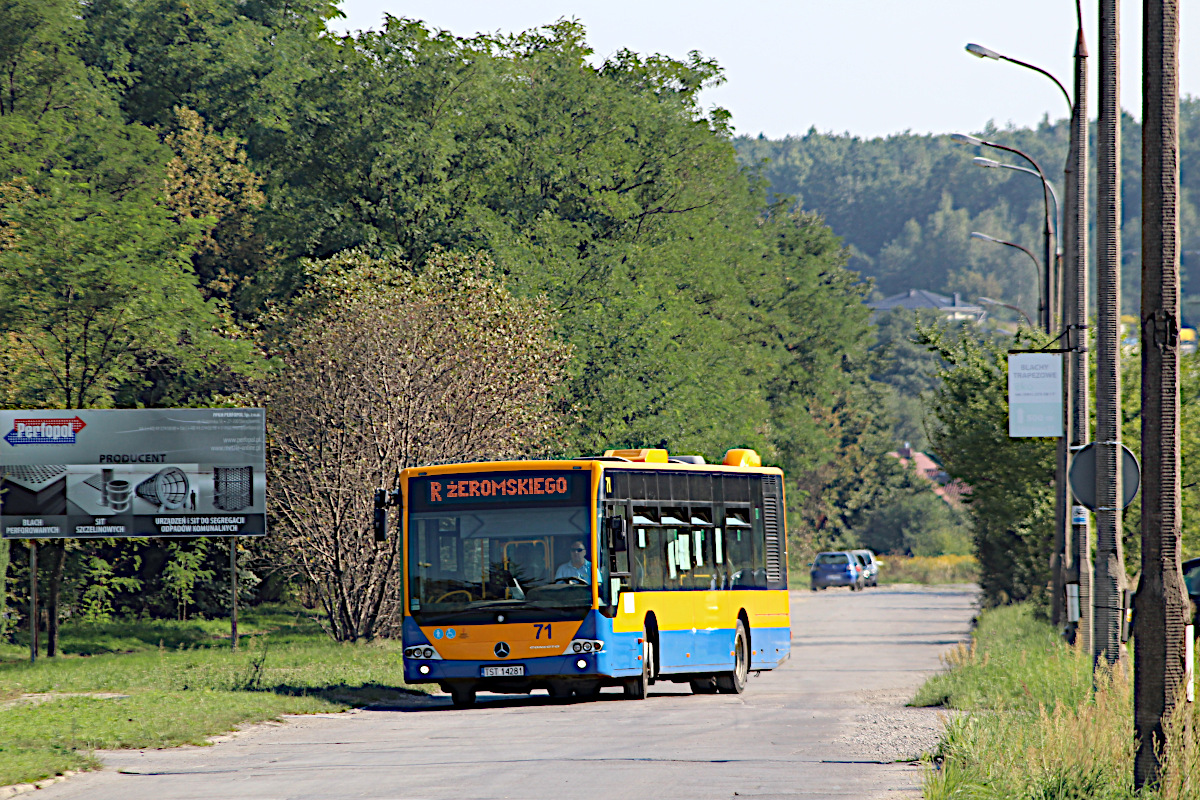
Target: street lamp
[
  {"x": 980, "y": 51},
  {"x": 989, "y": 163},
  {"x": 989, "y": 301},
  {"x": 1047, "y": 291},
  {"x": 1069, "y": 286},
  {"x": 1037, "y": 271}
]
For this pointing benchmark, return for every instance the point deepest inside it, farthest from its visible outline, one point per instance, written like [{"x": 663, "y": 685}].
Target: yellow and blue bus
[{"x": 615, "y": 570}]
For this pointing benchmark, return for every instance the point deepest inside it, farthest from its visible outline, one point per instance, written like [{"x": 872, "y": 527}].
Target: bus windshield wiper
[{"x": 495, "y": 604}]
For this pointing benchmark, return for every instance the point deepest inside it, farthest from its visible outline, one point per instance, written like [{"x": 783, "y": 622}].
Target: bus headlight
[
  {"x": 586, "y": 645},
  {"x": 581, "y": 664},
  {"x": 423, "y": 651},
  {"x": 424, "y": 669}
]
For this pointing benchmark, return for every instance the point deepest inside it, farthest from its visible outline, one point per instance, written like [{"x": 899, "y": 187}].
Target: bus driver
[{"x": 578, "y": 567}]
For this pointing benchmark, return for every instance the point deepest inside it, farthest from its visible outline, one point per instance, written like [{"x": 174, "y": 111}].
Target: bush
[{"x": 928, "y": 569}]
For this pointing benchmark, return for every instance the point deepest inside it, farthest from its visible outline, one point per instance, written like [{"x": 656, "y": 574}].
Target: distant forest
[{"x": 906, "y": 205}]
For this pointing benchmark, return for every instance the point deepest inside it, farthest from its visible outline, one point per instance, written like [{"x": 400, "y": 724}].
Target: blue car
[{"x": 837, "y": 569}]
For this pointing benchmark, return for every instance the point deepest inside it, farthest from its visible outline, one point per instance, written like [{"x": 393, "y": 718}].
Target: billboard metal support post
[
  {"x": 33, "y": 609},
  {"x": 233, "y": 634}
]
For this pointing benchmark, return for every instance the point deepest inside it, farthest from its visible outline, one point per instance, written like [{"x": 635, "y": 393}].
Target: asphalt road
[{"x": 830, "y": 723}]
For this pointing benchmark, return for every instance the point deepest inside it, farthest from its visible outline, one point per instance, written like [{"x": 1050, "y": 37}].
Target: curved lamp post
[
  {"x": 989, "y": 163},
  {"x": 1069, "y": 299},
  {"x": 980, "y": 51},
  {"x": 1037, "y": 267},
  {"x": 1044, "y": 312},
  {"x": 989, "y": 301}
]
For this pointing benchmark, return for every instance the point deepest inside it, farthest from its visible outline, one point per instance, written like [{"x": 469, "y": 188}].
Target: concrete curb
[{"x": 22, "y": 788}]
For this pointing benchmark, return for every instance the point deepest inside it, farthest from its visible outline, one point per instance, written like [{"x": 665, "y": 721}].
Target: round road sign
[{"x": 1082, "y": 476}]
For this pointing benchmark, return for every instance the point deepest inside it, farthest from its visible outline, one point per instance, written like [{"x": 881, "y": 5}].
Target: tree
[
  {"x": 1011, "y": 504},
  {"x": 209, "y": 182},
  {"x": 390, "y": 370},
  {"x": 913, "y": 520}
]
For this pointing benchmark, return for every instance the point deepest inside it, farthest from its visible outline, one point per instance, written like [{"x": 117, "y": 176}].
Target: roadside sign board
[
  {"x": 1035, "y": 391},
  {"x": 128, "y": 473}
]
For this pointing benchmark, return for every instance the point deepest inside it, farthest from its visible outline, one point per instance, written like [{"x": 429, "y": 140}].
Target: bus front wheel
[
  {"x": 735, "y": 682},
  {"x": 462, "y": 696},
  {"x": 637, "y": 688}
]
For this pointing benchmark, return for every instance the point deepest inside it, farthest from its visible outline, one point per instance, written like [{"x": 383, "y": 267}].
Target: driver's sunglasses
[{"x": 577, "y": 550}]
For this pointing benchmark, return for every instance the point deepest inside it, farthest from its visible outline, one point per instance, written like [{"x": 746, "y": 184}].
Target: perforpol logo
[{"x": 44, "y": 431}]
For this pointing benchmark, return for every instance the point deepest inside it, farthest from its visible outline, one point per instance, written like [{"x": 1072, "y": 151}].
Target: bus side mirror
[
  {"x": 618, "y": 535},
  {"x": 381, "y": 515}
]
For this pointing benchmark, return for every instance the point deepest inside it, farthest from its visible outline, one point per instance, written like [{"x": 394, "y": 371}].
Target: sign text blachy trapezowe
[{"x": 1035, "y": 390}]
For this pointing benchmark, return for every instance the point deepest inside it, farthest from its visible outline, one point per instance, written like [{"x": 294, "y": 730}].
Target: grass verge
[
  {"x": 1035, "y": 728},
  {"x": 928, "y": 569},
  {"x": 161, "y": 684}
]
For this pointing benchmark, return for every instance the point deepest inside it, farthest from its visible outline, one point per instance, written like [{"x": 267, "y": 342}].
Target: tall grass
[
  {"x": 159, "y": 684},
  {"x": 928, "y": 569},
  {"x": 1039, "y": 726}
]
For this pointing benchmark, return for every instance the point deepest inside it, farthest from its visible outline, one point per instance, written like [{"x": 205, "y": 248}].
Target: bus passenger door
[
  {"x": 709, "y": 619},
  {"x": 617, "y": 531}
]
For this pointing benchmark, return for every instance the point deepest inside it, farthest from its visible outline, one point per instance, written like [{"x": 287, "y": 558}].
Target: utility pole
[
  {"x": 1160, "y": 671},
  {"x": 1110, "y": 557},
  {"x": 1075, "y": 287}
]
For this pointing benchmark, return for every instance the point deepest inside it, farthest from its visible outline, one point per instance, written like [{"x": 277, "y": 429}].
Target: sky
[{"x": 866, "y": 67}]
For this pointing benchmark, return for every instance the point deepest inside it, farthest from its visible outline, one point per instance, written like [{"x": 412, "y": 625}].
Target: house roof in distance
[
  {"x": 949, "y": 489},
  {"x": 921, "y": 298}
]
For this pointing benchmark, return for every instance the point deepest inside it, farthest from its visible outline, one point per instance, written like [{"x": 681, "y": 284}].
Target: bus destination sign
[{"x": 498, "y": 488}]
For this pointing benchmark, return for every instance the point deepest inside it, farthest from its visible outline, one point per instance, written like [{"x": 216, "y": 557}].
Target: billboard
[
  {"x": 140, "y": 472},
  {"x": 1035, "y": 394}
]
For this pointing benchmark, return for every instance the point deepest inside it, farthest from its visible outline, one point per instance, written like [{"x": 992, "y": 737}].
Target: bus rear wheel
[
  {"x": 637, "y": 688},
  {"x": 735, "y": 682}
]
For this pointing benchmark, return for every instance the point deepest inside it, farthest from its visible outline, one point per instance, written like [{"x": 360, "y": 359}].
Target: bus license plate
[{"x": 515, "y": 670}]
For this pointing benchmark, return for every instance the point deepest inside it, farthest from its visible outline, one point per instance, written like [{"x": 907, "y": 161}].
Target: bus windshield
[{"x": 468, "y": 566}]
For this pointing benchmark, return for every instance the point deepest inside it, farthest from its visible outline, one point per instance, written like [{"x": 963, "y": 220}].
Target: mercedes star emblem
[{"x": 501, "y": 650}]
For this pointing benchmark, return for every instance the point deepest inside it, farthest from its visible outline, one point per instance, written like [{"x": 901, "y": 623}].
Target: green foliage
[
  {"x": 1011, "y": 504},
  {"x": 913, "y": 520},
  {"x": 1189, "y": 431},
  {"x": 911, "y": 370},
  {"x": 906, "y": 204},
  {"x": 1015, "y": 661},
  {"x": 96, "y": 279},
  {"x": 1038, "y": 723},
  {"x": 184, "y": 570},
  {"x": 159, "y": 218},
  {"x": 96, "y": 603}
]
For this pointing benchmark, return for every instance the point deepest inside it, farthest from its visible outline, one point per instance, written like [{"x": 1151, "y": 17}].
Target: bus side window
[
  {"x": 654, "y": 564},
  {"x": 679, "y": 558},
  {"x": 739, "y": 548},
  {"x": 638, "y": 552}
]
